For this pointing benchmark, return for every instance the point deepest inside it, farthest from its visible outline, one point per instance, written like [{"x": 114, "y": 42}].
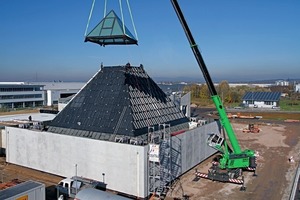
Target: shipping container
[{"x": 29, "y": 190}]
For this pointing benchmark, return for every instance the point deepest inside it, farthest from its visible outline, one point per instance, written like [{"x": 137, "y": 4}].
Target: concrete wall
[
  {"x": 2, "y": 141},
  {"x": 125, "y": 166},
  {"x": 190, "y": 148},
  {"x": 61, "y": 106},
  {"x": 54, "y": 95},
  {"x": 2, "y": 138}
]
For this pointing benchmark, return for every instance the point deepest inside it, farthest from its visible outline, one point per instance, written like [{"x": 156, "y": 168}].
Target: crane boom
[
  {"x": 228, "y": 166},
  {"x": 215, "y": 97}
]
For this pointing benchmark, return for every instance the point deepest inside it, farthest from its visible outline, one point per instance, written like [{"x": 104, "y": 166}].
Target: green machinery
[{"x": 228, "y": 166}]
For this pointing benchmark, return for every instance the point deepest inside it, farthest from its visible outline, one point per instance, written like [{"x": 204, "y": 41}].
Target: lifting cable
[
  {"x": 105, "y": 4},
  {"x": 120, "y": 2},
  {"x": 132, "y": 20},
  {"x": 87, "y": 25}
]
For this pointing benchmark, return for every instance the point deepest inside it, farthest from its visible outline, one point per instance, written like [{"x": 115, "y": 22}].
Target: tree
[
  {"x": 194, "y": 89},
  {"x": 204, "y": 93},
  {"x": 235, "y": 97},
  {"x": 223, "y": 90}
]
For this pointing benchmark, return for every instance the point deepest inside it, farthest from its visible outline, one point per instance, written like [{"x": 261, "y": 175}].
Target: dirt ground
[
  {"x": 275, "y": 143},
  {"x": 9, "y": 172}
]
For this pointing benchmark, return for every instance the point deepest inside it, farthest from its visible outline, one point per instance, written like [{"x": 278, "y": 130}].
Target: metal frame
[{"x": 160, "y": 173}]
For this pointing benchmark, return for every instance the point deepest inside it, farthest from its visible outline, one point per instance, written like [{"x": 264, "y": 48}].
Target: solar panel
[{"x": 262, "y": 96}]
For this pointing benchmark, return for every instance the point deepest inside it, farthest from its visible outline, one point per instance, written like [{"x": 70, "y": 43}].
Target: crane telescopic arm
[{"x": 215, "y": 97}]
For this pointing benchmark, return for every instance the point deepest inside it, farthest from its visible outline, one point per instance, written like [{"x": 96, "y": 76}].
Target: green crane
[{"x": 229, "y": 165}]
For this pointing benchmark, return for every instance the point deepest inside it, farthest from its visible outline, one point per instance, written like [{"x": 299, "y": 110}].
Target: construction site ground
[
  {"x": 10, "y": 173},
  {"x": 275, "y": 143}
]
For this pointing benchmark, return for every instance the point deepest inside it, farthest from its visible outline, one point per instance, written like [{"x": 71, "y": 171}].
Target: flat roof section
[
  {"x": 34, "y": 116},
  {"x": 19, "y": 189}
]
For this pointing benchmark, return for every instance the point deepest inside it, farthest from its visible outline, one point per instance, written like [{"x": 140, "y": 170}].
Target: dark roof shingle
[{"x": 121, "y": 100}]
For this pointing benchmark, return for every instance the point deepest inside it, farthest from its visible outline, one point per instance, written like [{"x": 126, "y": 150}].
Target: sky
[{"x": 239, "y": 40}]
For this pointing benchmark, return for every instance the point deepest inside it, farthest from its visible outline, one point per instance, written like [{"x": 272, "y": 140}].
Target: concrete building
[
  {"x": 21, "y": 95},
  {"x": 57, "y": 90},
  {"x": 249, "y": 84},
  {"x": 282, "y": 83},
  {"x": 182, "y": 101},
  {"x": 122, "y": 129},
  {"x": 37, "y": 120},
  {"x": 297, "y": 87}
]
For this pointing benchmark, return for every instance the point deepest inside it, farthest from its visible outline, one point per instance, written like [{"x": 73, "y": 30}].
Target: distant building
[
  {"x": 21, "y": 95},
  {"x": 282, "y": 83},
  {"x": 62, "y": 102},
  {"x": 249, "y": 84},
  {"x": 297, "y": 87},
  {"x": 56, "y": 90},
  {"x": 183, "y": 102},
  {"x": 262, "y": 99}
]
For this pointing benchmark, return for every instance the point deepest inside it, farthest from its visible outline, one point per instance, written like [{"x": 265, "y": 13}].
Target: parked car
[{"x": 276, "y": 107}]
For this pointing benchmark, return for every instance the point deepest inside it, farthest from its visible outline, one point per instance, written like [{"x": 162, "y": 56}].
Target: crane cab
[{"x": 215, "y": 140}]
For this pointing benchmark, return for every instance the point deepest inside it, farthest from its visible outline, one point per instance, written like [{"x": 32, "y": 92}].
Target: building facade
[
  {"x": 262, "y": 99},
  {"x": 297, "y": 87},
  {"x": 282, "y": 83},
  {"x": 54, "y": 91},
  {"x": 21, "y": 95}
]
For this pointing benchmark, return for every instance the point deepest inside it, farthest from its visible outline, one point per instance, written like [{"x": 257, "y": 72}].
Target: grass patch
[
  {"x": 15, "y": 112},
  {"x": 289, "y": 105}
]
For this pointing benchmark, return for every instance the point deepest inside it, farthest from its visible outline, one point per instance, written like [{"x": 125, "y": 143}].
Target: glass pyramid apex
[{"x": 110, "y": 31}]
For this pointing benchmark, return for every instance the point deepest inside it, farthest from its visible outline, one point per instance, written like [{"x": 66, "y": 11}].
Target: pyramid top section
[
  {"x": 111, "y": 31},
  {"x": 119, "y": 100}
]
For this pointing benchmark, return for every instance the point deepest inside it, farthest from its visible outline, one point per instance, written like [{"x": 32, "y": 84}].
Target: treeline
[{"x": 229, "y": 95}]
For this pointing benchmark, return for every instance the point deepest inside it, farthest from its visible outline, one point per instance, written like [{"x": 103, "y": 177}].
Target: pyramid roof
[{"x": 118, "y": 100}]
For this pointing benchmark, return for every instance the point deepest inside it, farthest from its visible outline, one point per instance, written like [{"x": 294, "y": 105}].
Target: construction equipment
[
  {"x": 69, "y": 187},
  {"x": 228, "y": 166},
  {"x": 251, "y": 128}
]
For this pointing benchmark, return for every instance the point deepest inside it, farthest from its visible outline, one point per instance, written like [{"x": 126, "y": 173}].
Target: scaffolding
[{"x": 159, "y": 159}]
